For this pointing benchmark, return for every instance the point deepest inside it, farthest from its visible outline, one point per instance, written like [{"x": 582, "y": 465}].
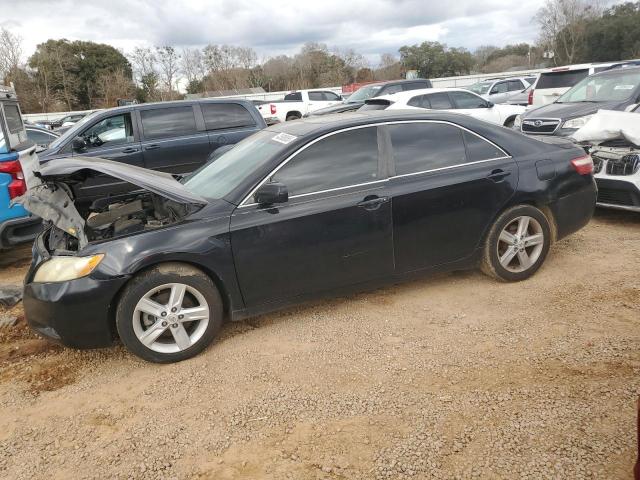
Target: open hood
[
  {"x": 160, "y": 183},
  {"x": 50, "y": 197}
]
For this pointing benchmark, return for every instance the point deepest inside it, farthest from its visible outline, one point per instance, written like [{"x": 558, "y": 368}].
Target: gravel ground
[{"x": 452, "y": 376}]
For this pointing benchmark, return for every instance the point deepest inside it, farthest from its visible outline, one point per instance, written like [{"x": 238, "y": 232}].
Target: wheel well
[
  {"x": 294, "y": 114},
  {"x": 113, "y": 305},
  {"x": 542, "y": 207},
  {"x": 510, "y": 119}
]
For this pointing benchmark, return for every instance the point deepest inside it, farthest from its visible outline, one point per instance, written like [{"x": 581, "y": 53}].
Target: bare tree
[
  {"x": 168, "y": 62},
  {"x": 10, "y": 52},
  {"x": 562, "y": 25},
  {"x": 193, "y": 65},
  {"x": 144, "y": 63}
]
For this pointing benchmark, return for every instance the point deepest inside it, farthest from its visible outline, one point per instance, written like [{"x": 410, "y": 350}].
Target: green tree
[
  {"x": 76, "y": 71},
  {"x": 434, "y": 59}
]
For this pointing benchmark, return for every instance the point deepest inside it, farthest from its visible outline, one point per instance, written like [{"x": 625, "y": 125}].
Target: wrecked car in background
[{"x": 614, "y": 139}]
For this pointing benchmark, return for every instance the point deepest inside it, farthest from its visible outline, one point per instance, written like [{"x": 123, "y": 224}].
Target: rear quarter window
[
  {"x": 564, "y": 79},
  {"x": 479, "y": 149},
  {"x": 218, "y": 116}
]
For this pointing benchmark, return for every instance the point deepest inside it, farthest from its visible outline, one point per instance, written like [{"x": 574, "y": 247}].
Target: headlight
[
  {"x": 577, "y": 122},
  {"x": 61, "y": 269},
  {"x": 517, "y": 123}
]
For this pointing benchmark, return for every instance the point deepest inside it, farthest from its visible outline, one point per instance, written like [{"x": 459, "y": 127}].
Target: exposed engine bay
[
  {"x": 103, "y": 219},
  {"x": 73, "y": 224}
]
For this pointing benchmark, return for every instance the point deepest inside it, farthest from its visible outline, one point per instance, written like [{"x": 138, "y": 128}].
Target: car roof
[
  {"x": 328, "y": 123},
  {"x": 422, "y": 91},
  {"x": 177, "y": 103}
]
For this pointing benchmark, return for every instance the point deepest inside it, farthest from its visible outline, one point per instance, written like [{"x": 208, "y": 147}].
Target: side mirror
[
  {"x": 271, "y": 193},
  {"x": 78, "y": 144}
]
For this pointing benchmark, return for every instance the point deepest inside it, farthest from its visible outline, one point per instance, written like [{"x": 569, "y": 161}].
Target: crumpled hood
[
  {"x": 610, "y": 125},
  {"x": 160, "y": 183}
]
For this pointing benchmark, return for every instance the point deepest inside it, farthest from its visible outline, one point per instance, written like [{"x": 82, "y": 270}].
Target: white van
[{"x": 556, "y": 81}]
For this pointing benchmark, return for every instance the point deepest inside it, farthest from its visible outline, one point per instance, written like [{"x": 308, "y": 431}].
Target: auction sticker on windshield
[{"x": 284, "y": 138}]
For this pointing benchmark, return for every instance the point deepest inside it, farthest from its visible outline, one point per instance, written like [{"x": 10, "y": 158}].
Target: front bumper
[{"x": 78, "y": 313}]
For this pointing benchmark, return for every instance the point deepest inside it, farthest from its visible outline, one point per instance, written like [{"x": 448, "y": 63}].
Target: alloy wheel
[
  {"x": 520, "y": 244},
  {"x": 171, "y": 318}
]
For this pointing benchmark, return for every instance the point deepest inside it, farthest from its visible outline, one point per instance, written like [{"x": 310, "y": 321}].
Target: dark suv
[
  {"x": 614, "y": 89},
  {"x": 173, "y": 137},
  {"x": 357, "y": 99}
]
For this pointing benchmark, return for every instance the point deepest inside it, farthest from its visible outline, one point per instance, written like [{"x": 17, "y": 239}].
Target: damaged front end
[
  {"x": 162, "y": 201},
  {"x": 613, "y": 140}
]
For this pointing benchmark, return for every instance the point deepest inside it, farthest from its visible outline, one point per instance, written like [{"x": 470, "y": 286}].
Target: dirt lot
[{"x": 454, "y": 376}]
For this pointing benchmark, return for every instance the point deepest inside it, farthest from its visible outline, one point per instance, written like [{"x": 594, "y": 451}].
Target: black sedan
[{"x": 297, "y": 211}]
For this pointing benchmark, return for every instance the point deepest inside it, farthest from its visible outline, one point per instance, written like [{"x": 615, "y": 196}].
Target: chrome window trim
[{"x": 243, "y": 203}]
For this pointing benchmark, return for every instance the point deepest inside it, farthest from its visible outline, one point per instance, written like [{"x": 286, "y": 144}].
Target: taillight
[
  {"x": 17, "y": 185},
  {"x": 272, "y": 107},
  {"x": 583, "y": 165},
  {"x": 530, "y": 101}
]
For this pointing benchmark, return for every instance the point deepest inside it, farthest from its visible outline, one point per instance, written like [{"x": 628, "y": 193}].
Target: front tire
[
  {"x": 517, "y": 244},
  {"x": 169, "y": 313}
]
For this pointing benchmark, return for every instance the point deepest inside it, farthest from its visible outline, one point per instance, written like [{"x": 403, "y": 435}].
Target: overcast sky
[{"x": 273, "y": 26}]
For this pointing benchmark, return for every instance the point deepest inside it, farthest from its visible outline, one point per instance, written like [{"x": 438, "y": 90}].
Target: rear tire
[
  {"x": 293, "y": 116},
  {"x": 517, "y": 244},
  {"x": 169, "y": 313}
]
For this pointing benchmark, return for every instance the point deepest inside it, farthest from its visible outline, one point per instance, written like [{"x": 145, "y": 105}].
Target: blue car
[{"x": 16, "y": 224}]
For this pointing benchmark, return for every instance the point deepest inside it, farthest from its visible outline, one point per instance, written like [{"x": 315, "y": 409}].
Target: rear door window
[
  {"x": 479, "y": 149},
  {"x": 168, "y": 122},
  {"x": 316, "y": 96},
  {"x": 515, "y": 86},
  {"x": 440, "y": 101},
  {"x": 563, "y": 79},
  {"x": 218, "y": 116},
  {"x": 340, "y": 160},
  {"x": 418, "y": 147}
]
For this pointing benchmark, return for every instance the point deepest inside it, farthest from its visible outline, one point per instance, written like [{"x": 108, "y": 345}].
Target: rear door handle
[
  {"x": 130, "y": 150},
  {"x": 152, "y": 147},
  {"x": 498, "y": 175},
  {"x": 373, "y": 202}
]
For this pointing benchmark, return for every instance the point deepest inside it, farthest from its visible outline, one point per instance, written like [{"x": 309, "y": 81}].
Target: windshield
[
  {"x": 480, "y": 88},
  {"x": 218, "y": 178},
  {"x": 364, "y": 93},
  {"x": 603, "y": 88},
  {"x": 72, "y": 132}
]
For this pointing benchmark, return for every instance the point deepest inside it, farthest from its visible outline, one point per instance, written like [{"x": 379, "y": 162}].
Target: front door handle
[
  {"x": 130, "y": 150},
  {"x": 373, "y": 202},
  {"x": 152, "y": 146},
  {"x": 498, "y": 175}
]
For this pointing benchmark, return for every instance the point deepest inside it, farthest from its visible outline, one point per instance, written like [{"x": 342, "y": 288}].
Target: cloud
[{"x": 271, "y": 27}]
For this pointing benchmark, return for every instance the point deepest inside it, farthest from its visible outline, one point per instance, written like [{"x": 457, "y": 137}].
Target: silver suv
[{"x": 500, "y": 90}]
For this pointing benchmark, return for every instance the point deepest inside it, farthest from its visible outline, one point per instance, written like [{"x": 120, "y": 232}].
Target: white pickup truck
[{"x": 296, "y": 104}]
